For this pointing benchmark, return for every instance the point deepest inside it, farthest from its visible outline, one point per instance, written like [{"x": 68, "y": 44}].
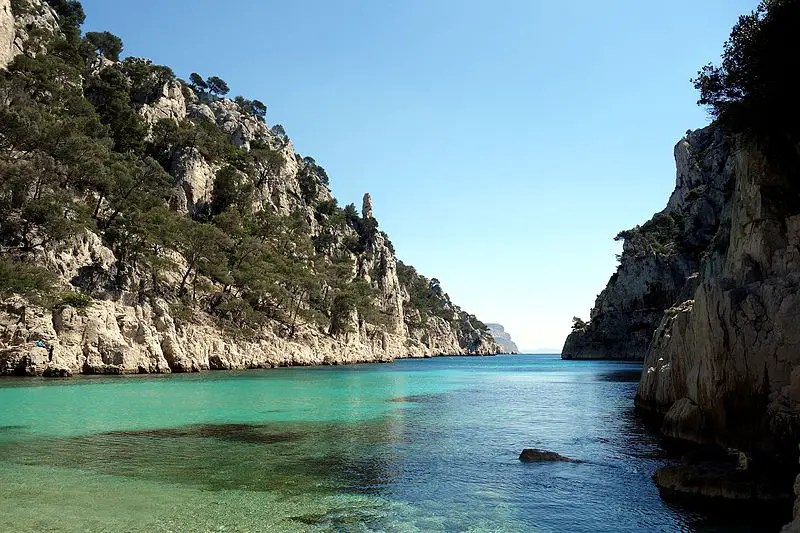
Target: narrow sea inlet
[{"x": 417, "y": 445}]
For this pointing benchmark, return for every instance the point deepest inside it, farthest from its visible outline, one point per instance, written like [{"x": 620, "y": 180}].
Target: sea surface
[{"x": 416, "y": 445}]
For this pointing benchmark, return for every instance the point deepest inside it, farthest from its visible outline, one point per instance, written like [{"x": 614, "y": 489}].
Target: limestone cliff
[
  {"x": 108, "y": 314},
  {"x": 718, "y": 315},
  {"x": 724, "y": 365},
  {"x": 503, "y": 338},
  {"x": 17, "y": 25},
  {"x": 661, "y": 258}
]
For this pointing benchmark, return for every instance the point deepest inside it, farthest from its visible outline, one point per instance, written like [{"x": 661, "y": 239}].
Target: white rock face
[
  {"x": 170, "y": 104},
  {"x": 7, "y": 33},
  {"x": 14, "y": 37},
  {"x": 200, "y": 111},
  {"x": 194, "y": 176},
  {"x": 241, "y": 127}
]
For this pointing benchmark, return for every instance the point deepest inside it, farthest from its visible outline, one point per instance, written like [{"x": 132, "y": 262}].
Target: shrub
[
  {"x": 78, "y": 300},
  {"x": 24, "y": 278}
]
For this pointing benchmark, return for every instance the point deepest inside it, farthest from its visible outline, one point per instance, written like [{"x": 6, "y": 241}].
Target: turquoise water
[{"x": 417, "y": 445}]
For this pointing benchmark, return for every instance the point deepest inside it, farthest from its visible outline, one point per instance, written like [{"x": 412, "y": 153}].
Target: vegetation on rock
[
  {"x": 754, "y": 88},
  {"x": 78, "y": 155}
]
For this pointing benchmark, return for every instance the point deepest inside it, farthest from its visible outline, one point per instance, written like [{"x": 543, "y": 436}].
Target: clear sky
[{"x": 504, "y": 143}]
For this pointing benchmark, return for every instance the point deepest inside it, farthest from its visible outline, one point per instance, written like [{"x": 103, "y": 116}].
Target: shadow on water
[
  {"x": 292, "y": 458},
  {"x": 620, "y": 376},
  {"x": 420, "y": 399},
  {"x": 249, "y": 433},
  {"x": 12, "y": 427}
]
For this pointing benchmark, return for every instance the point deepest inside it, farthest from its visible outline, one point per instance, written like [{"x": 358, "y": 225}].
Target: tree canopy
[
  {"x": 754, "y": 89},
  {"x": 106, "y": 44}
]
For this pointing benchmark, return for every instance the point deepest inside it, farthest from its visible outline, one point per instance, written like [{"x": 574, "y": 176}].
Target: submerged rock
[
  {"x": 534, "y": 455},
  {"x": 719, "y": 481}
]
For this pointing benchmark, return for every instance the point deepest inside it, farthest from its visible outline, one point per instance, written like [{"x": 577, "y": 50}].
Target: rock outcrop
[
  {"x": 502, "y": 338},
  {"x": 16, "y": 27},
  {"x": 708, "y": 292},
  {"x": 7, "y": 33},
  {"x": 714, "y": 305},
  {"x": 660, "y": 259},
  {"x": 168, "y": 104},
  {"x": 724, "y": 366},
  {"x": 534, "y": 455}
]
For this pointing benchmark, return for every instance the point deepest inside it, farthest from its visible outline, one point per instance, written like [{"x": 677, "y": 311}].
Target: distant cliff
[
  {"x": 502, "y": 338},
  {"x": 150, "y": 224}
]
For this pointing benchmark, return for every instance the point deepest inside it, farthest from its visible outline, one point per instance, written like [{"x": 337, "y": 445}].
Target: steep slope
[
  {"x": 723, "y": 367},
  {"x": 722, "y": 373},
  {"x": 152, "y": 225},
  {"x": 660, "y": 258},
  {"x": 502, "y": 338}
]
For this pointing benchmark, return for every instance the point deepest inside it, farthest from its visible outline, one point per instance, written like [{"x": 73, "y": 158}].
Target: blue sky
[{"x": 504, "y": 143}]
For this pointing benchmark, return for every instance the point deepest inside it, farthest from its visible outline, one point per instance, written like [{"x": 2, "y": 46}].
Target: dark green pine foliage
[{"x": 754, "y": 89}]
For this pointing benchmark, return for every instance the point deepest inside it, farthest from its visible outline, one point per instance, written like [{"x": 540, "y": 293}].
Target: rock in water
[{"x": 534, "y": 455}]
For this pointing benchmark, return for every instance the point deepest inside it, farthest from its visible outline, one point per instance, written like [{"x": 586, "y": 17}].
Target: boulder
[{"x": 535, "y": 455}]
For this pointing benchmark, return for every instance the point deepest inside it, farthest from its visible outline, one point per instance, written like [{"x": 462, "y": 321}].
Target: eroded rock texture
[
  {"x": 723, "y": 367},
  {"x": 661, "y": 259}
]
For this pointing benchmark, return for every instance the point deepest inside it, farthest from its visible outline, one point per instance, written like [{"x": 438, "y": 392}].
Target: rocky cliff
[
  {"x": 721, "y": 374},
  {"x": 660, "y": 259},
  {"x": 219, "y": 248},
  {"x": 502, "y": 338},
  {"x": 17, "y": 25},
  {"x": 724, "y": 364}
]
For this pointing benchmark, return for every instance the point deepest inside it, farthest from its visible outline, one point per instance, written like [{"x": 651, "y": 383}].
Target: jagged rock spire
[{"x": 366, "y": 206}]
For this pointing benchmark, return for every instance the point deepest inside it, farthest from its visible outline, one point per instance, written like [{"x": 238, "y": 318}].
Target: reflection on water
[{"x": 416, "y": 446}]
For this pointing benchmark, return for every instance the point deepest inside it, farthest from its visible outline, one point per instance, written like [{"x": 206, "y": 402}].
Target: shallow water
[{"x": 417, "y": 445}]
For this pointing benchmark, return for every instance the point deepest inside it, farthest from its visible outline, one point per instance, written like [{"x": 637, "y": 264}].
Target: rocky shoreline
[{"x": 112, "y": 338}]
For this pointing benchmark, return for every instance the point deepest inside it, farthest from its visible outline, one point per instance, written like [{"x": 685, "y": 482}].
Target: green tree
[
  {"x": 107, "y": 44},
  {"x": 197, "y": 81},
  {"x": 755, "y": 87},
  {"x": 231, "y": 188},
  {"x": 109, "y": 92},
  {"x": 202, "y": 247},
  {"x": 278, "y": 130},
  {"x": 217, "y": 86},
  {"x": 133, "y": 185},
  {"x": 255, "y": 108},
  {"x": 70, "y": 17}
]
